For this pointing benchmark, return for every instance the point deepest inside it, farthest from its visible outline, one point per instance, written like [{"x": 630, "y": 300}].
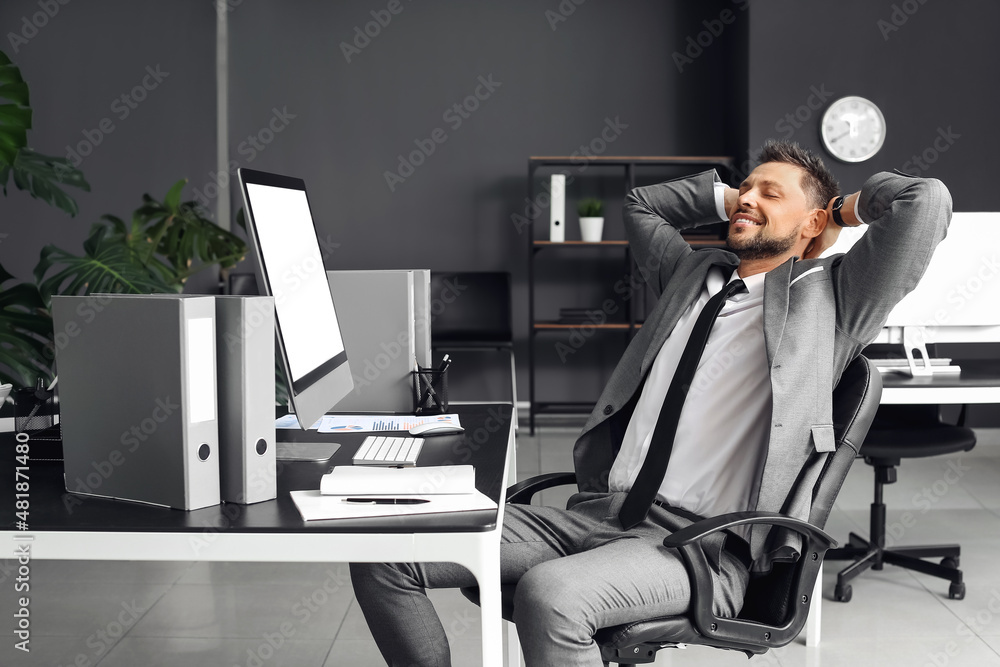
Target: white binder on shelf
[
  {"x": 422, "y": 316},
  {"x": 138, "y": 400},
  {"x": 245, "y": 351},
  {"x": 376, "y": 313},
  {"x": 557, "y": 208}
]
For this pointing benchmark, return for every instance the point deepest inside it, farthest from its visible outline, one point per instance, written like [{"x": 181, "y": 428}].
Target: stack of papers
[
  {"x": 367, "y": 423},
  {"x": 361, "y": 491}
]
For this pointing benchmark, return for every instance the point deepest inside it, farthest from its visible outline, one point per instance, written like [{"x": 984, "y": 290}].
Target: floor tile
[
  {"x": 272, "y": 651},
  {"x": 914, "y": 651},
  {"x": 96, "y": 571},
  {"x": 48, "y": 652},
  {"x": 354, "y": 653},
  {"x": 249, "y": 611},
  {"x": 265, "y": 573}
]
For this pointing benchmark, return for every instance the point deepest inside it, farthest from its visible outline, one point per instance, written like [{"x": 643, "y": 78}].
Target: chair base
[{"x": 867, "y": 556}]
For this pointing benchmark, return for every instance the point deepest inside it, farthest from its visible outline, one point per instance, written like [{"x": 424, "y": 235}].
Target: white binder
[
  {"x": 422, "y": 316},
  {"x": 557, "y": 209},
  {"x": 245, "y": 351},
  {"x": 137, "y": 393}
]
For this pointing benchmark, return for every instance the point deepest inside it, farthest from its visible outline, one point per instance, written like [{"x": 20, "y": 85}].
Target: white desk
[{"x": 273, "y": 531}]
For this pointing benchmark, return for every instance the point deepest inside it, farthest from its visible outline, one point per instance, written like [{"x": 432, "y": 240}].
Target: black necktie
[{"x": 650, "y": 476}]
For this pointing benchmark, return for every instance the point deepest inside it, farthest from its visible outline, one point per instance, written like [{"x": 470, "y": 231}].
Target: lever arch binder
[
  {"x": 245, "y": 350},
  {"x": 138, "y": 401}
]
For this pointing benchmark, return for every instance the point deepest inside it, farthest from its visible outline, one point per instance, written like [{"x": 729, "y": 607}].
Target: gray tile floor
[{"x": 159, "y": 614}]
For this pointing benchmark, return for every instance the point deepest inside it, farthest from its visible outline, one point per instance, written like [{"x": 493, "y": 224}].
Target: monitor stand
[
  {"x": 918, "y": 362},
  {"x": 306, "y": 451}
]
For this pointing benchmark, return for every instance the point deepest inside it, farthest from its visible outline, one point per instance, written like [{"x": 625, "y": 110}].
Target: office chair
[
  {"x": 903, "y": 431},
  {"x": 777, "y": 603},
  {"x": 472, "y": 311}
]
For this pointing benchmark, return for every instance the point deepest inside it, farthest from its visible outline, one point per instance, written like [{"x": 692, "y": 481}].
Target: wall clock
[{"x": 852, "y": 129}]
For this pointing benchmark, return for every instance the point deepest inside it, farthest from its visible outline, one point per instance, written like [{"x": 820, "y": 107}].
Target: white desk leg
[
  {"x": 513, "y": 646},
  {"x": 485, "y": 565},
  {"x": 814, "y": 621}
]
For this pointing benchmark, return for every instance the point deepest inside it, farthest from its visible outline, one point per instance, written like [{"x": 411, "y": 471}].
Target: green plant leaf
[
  {"x": 15, "y": 118},
  {"x": 173, "y": 199},
  {"x": 40, "y": 175},
  {"x": 108, "y": 265},
  {"x": 25, "y": 333}
]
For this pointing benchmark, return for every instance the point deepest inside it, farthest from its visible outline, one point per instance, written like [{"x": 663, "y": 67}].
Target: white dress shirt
[{"x": 721, "y": 437}]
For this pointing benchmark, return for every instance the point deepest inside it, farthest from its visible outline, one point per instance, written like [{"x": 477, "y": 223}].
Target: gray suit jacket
[{"x": 818, "y": 315}]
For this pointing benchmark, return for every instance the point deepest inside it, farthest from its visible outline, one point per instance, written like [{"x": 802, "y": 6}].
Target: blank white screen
[{"x": 295, "y": 272}]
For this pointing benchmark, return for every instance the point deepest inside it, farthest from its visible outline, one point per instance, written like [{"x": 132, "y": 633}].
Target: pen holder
[
  {"x": 430, "y": 391},
  {"x": 34, "y": 409}
]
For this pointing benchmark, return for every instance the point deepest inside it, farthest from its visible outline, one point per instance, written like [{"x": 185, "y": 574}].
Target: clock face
[{"x": 853, "y": 129}]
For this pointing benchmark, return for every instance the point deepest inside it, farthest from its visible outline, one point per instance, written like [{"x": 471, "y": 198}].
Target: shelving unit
[{"x": 629, "y": 164}]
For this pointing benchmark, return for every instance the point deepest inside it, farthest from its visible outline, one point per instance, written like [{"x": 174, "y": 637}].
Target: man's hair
[{"x": 818, "y": 183}]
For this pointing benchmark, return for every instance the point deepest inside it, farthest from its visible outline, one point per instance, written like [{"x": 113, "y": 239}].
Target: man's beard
[{"x": 761, "y": 247}]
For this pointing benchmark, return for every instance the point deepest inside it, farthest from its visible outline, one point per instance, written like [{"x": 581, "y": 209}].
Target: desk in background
[{"x": 69, "y": 527}]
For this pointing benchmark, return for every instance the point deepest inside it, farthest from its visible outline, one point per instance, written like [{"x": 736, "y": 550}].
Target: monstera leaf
[
  {"x": 108, "y": 265},
  {"x": 15, "y": 118},
  {"x": 185, "y": 239},
  {"x": 25, "y": 330},
  {"x": 39, "y": 175}
]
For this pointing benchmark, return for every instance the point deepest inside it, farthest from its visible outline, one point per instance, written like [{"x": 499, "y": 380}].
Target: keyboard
[{"x": 388, "y": 451}]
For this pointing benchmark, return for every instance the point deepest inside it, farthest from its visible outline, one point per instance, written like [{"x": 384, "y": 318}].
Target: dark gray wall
[
  {"x": 930, "y": 66},
  {"x": 77, "y": 65},
  {"x": 556, "y": 89}
]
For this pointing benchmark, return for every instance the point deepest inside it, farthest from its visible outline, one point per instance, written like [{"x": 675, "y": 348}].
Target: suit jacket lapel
[{"x": 776, "y": 306}]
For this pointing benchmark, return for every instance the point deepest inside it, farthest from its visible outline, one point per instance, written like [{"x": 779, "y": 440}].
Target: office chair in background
[
  {"x": 899, "y": 432},
  {"x": 472, "y": 312},
  {"x": 776, "y": 604}
]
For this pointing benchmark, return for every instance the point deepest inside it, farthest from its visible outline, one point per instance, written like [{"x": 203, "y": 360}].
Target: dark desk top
[{"x": 483, "y": 444}]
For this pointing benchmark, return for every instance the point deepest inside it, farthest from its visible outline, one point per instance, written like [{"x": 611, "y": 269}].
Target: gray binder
[
  {"x": 422, "y": 316},
  {"x": 376, "y": 315},
  {"x": 245, "y": 350},
  {"x": 137, "y": 392}
]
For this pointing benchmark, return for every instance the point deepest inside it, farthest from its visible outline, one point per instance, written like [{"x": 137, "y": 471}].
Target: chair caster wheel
[
  {"x": 843, "y": 593},
  {"x": 957, "y": 591},
  {"x": 948, "y": 561}
]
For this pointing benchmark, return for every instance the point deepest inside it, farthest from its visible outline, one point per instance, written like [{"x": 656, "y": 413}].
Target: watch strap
[{"x": 838, "y": 203}]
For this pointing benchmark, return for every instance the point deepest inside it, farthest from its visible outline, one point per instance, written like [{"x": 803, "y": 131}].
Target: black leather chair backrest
[
  {"x": 855, "y": 402},
  {"x": 470, "y": 307}
]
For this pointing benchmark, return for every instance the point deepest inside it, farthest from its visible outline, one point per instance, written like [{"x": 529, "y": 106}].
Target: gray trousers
[{"x": 576, "y": 571}]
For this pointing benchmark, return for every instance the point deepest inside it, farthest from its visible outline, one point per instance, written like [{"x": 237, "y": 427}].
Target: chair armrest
[
  {"x": 736, "y": 630},
  {"x": 700, "y": 529},
  {"x": 522, "y": 492}
]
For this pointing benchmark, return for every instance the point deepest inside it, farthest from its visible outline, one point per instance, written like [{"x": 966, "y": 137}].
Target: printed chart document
[
  {"x": 367, "y": 423},
  {"x": 361, "y": 491}
]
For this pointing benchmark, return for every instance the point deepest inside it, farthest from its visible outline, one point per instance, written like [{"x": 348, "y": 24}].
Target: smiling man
[{"x": 678, "y": 434}]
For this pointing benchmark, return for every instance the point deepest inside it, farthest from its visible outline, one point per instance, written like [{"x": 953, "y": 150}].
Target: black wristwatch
[{"x": 838, "y": 204}]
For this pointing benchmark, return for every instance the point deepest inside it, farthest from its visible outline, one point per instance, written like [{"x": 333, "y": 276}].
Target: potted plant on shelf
[{"x": 591, "y": 219}]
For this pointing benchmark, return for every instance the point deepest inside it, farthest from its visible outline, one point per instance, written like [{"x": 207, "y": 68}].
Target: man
[{"x": 749, "y": 429}]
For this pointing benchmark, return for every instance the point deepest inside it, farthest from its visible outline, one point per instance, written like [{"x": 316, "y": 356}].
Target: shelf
[
  {"x": 577, "y": 244},
  {"x": 681, "y": 160},
  {"x": 611, "y": 326}
]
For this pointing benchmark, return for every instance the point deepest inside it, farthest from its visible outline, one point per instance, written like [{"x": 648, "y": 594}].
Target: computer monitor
[
  {"x": 290, "y": 268},
  {"x": 958, "y": 298}
]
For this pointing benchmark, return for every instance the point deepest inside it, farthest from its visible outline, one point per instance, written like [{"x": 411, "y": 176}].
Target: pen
[{"x": 386, "y": 501}]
